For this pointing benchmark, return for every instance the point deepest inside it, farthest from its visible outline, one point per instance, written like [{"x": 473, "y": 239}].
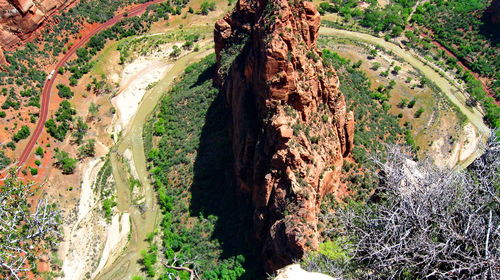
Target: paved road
[{"x": 44, "y": 109}]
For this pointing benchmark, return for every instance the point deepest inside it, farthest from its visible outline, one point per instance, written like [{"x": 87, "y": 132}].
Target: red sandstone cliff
[
  {"x": 290, "y": 127},
  {"x": 20, "y": 18}
]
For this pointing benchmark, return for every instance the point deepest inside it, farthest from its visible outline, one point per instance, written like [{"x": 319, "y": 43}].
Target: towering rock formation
[
  {"x": 290, "y": 128},
  {"x": 19, "y": 18}
]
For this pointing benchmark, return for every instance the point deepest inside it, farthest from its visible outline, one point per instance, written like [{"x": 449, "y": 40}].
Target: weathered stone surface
[
  {"x": 22, "y": 5},
  {"x": 2, "y": 58},
  {"x": 290, "y": 126},
  {"x": 20, "y": 18}
]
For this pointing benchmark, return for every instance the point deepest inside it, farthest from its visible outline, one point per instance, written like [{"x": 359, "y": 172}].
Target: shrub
[
  {"x": 64, "y": 91},
  {"x": 23, "y": 133},
  {"x": 419, "y": 112}
]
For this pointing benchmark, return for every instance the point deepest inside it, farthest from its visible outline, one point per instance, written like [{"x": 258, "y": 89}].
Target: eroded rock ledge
[
  {"x": 290, "y": 127},
  {"x": 20, "y": 18}
]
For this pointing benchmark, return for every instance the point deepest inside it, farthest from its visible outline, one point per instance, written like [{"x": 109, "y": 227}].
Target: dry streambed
[{"x": 92, "y": 241}]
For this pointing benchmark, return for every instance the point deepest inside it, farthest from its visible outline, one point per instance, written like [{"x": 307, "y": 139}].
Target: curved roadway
[
  {"x": 457, "y": 98},
  {"x": 44, "y": 109}
]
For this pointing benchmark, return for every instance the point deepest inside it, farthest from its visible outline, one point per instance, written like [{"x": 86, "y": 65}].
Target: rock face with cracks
[
  {"x": 290, "y": 127},
  {"x": 20, "y": 18}
]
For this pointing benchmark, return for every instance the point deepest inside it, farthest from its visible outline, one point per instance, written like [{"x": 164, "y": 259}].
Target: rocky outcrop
[
  {"x": 3, "y": 61},
  {"x": 290, "y": 127},
  {"x": 20, "y": 18}
]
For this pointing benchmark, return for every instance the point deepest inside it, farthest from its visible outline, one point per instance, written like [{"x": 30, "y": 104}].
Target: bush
[
  {"x": 64, "y": 162},
  {"x": 23, "y": 133},
  {"x": 419, "y": 112},
  {"x": 206, "y": 7},
  {"x": 64, "y": 91},
  {"x": 39, "y": 151}
]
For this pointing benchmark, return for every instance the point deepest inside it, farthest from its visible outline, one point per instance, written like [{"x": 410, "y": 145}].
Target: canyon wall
[
  {"x": 20, "y": 18},
  {"x": 290, "y": 127}
]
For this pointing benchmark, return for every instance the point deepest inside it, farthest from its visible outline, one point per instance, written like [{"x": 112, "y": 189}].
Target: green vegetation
[
  {"x": 4, "y": 160},
  {"x": 80, "y": 131},
  {"x": 87, "y": 150},
  {"x": 64, "y": 162},
  {"x": 419, "y": 112},
  {"x": 23, "y": 79},
  {"x": 60, "y": 126},
  {"x": 374, "y": 128},
  {"x": 39, "y": 151},
  {"x": 460, "y": 26},
  {"x": 33, "y": 171},
  {"x": 445, "y": 22},
  {"x": 107, "y": 205},
  {"x": 23, "y": 133},
  {"x": 189, "y": 170},
  {"x": 389, "y": 20},
  {"x": 64, "y": 91},
  {"x": 206, "y": 7}
]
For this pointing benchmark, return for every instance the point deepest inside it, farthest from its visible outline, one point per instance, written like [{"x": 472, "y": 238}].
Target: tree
[
  {"x": 80, "y": 131},
  {"x": 403, "y": 103},
  {"x": 429, "y": 222},
  {"x": 24, "y": 233},
  {"x": 87, "y": 150},
  {"x": 396, "y": 70},
  {"x": 64, "y": 162},
  {"x": 373, "y": 54},
  {"x": 391, "y": 85},
  {"x": 176, "y": 51},
  {"x": 206, "y": 7},
  {"x": 419, "y": 112},
  {"x": 39, "y": 151},
  {"x": 93, "y": 110},
  {"x": 375, "y": 66},
  {"x": 23, "y": 133},
  {"x": 64, "y": 91},
  {"x": 412, "y": 103},
  {"x": 424, "y": 81},
  {"x": 4, "y": 160}
]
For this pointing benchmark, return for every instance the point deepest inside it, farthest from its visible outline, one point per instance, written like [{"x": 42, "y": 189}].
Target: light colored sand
[
  {"x": 130, "y": 159},
  {"x": 87, "y": 196},
  {"x": 471, "y": 142},
  {"x": 116, "y": 240},
  {"x": 462, "y": 150},
  {"x": 79, "y": 237},
  {"x": 295, "y": 272},
  {"x": 91, "y": 243},
  {"x": 135, "y": 79}
]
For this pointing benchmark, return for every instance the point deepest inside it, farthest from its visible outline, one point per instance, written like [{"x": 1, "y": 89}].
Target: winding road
[
  {"x": 49, "y": 83},
  {"x": 456, "y": 97}
]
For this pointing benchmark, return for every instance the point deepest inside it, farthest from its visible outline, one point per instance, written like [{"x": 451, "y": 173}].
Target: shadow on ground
[{"x": 214, "y": 190}]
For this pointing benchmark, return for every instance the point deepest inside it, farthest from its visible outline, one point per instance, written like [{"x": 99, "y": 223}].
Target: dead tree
[
  {"x": 429, "y": 223},
  {"x": 24, "y": 229}
]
